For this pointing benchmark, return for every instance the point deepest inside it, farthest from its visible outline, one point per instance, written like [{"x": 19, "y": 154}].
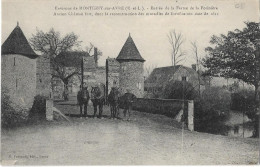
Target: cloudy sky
[{"x": 109, "y": 33}]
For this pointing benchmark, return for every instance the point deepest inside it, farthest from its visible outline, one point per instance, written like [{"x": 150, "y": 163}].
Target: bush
[
  {"x": 244, "y": 101},
  {"x": 211, "y": 110},
  {"x": 12, "y": 114},
  {"x": 178, "y": 89}
]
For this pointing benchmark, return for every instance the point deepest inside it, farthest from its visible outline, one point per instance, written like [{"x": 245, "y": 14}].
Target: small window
[
  {"x": 138, "y": 85},
  {"x": 14, "y": 61},
  {"x": 184, "y": 78},
  {"x": 40, "y": 80},
  {"x": 124, "y": 68}
]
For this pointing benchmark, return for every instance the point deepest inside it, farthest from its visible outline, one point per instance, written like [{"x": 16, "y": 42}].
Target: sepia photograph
[{"x": 120, "y": 82}]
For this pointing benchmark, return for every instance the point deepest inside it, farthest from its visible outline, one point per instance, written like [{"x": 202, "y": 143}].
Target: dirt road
[{"x": 145, "y": 140}]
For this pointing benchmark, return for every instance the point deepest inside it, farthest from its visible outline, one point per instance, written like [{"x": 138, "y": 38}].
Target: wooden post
[
  {"x": 190, "y": 115},
  {"x": 82, "y": 72}
]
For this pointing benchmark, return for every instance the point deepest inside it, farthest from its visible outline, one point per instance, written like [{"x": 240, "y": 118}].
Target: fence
[{"x": 169, "y": 107}]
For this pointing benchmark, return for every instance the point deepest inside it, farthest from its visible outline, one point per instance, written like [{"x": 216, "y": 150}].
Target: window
[
  {"x": 16, "y": 83},
  {"x": 123, "y": 68},
  {"x": 184, "y": 78},
  {"x": 14, "y": 61},
  {"x": 138, "y": 85}
]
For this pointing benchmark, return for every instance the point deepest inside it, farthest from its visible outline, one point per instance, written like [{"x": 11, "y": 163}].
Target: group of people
[{"x": 115, "y": 100}]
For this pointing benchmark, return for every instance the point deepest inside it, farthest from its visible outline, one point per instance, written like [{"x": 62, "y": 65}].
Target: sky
[{"x": 149, "y": 33}]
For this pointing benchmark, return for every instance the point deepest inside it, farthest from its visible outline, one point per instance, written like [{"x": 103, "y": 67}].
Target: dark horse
[
  {"x": 126, "y": 102},
  {"x": 83, "y": 99},
  {"x": 113, "y": 100},
  {"x": 98, "y": 99}
]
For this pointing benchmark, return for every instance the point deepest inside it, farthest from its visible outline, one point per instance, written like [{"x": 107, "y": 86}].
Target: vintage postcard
[{"x": 120, "y": 82}]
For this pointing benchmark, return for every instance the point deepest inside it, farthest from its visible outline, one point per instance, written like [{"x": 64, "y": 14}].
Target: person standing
[{"x": 83, "y": 99}]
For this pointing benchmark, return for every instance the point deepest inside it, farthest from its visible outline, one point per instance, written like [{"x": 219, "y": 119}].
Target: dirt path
[{"x": 145, "y": 140}]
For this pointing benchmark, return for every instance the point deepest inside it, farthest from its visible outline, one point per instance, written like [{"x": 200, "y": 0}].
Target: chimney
[
  {"x": 194, "y": 67},
  {"x": 96, "y": 56}
]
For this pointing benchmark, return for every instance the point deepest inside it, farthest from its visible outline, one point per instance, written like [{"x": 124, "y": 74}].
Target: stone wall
[
  {"x": 112, "y": 74},
  {"x": 43, "y": 77},
  {"x": 131, "y": 78},
  {"x": 100, "y": 75},
  {"x": 168, "y": 107},
  {"x": 58, "y": 88},
  {"x": 19, "y": 78}
]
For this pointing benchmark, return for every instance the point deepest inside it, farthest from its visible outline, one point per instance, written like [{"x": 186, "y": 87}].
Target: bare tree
[
  {"x": 197, "y": 59},
  {"x": 89, "y": 48},
  {"x": 176, "y": 40},
  {"x": 51, "y": 44}
]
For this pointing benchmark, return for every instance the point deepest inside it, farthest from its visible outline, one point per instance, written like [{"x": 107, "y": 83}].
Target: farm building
[
  {"x": 19, "y": 68},
  {"x": 161, "y": 76}
]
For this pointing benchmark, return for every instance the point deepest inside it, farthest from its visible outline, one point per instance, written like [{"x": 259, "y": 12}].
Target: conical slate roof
[
  {"x": 129, "y": 52},
  {"x": 17, "y": 43}
]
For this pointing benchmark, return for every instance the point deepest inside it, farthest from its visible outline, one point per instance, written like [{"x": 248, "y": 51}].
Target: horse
[
  {"x": 83, "y": 99},
  {"x": 98, "y": 99},
  {"x": 126, "y": 102},
  {"x": 113, "y": 100}
]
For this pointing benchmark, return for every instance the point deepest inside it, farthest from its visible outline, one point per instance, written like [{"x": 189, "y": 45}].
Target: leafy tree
[
  {"x": 51, "y": 44},
  {"x": 236, "y": 55}
]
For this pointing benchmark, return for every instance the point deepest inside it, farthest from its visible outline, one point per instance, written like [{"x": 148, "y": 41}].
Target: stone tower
[
  {"x": 131, "y": 69},
  {"x": 19, "y": 69}
]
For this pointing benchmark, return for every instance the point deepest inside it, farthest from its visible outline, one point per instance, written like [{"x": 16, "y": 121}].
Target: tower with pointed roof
[
  {"x": 19, "y": 68},
  {"x": 131, "y": 70}
]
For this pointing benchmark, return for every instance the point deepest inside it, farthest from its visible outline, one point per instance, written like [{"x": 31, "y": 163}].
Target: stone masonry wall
[
  {"x": 19, "y": 78},
  {"x": 131, "y": 78},
  {"x": 43, "y": 77},
  {"x": 112, "y": 74}
]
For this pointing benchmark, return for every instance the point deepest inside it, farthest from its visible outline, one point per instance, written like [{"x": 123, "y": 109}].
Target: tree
[
  {"x": 51, "y": 44},
  {"x": 212, "y": 110},
  {"x": 176, "y": 40},
  {"x": 236, "y": 55},
  {"x": 197, "y": 58}
]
